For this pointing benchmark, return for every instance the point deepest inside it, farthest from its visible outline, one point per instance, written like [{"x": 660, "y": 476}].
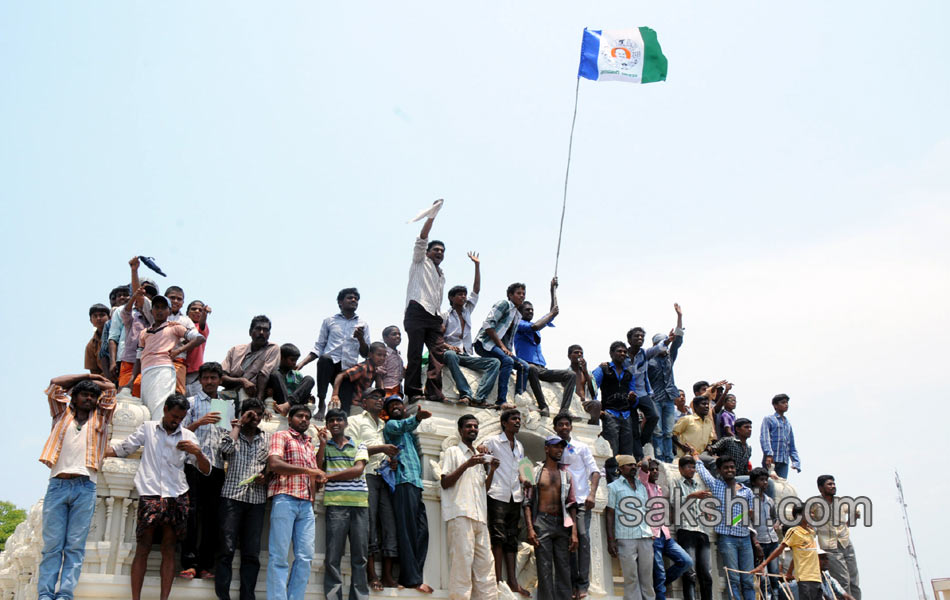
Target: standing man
[
  {"x": 737, "y": 447},
  {"x": 346, "y": 501},
  {"x": 778, "y": 440},
  {"x": 496, "y": 338},
  {"x": 465, "y": 481},
  {"x": 528, "y": 349},
  {"x": 618, "y": 400},
  {"x": 549, "y": 515},
  {"x": 423, "y": 323},
  {"x": 292, "y": 458},
  {"x": 628, "y": 535},
  {"x": 343, "y": 339},
  {"x": 250, "y": 366},
  {"x": 584, "y": 383},
  {"x": 242, "y": 506},
  {"x": 458, "y": 339},
  {"x": 835, "y": 539},
  {"x": 505, "y": 496},
  {"x": 198, "y": 312},
  {"x": 585, "y": 476},
  {"x": 660, "y": 376},
  {"x": 367, "y": 429},
  {"x": 98, "y": 316},
  {"x": 176, "y": 299},
  {"x": 764, "y": 523},
  {"x": 804, "y": 545},
  {"x": 81, "y": 407},
  {"x": 691, "y": 534},
  {"x": 637, "y": 361},
  {"x": 663, "y": 544},
  {"x": 412, "y": 525},
  {"x": 162, "y": 487}
]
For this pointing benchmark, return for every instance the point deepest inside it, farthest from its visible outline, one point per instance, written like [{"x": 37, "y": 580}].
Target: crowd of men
[{"x": 208, "y": 470}]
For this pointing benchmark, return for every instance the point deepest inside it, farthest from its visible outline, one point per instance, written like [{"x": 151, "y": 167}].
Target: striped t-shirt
[{"x": 350, "y": 492}]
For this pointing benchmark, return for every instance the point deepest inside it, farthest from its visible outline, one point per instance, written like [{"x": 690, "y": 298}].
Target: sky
[{"x": 787, "y": 185}]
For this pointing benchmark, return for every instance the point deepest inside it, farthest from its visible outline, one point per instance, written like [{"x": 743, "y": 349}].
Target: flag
[
  {"x": 428, "y": 213},
  {"x": 632, "y": 55}
]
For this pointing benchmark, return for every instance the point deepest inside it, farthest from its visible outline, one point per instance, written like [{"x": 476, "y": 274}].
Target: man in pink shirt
[
  {"x": 663, "y": 544},
  {"x": 158, "y": 347}
]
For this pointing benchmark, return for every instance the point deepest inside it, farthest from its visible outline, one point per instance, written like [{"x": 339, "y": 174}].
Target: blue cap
[{"x": 553, "y": 440}]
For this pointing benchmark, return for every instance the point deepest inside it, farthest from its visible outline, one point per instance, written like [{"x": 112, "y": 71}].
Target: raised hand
[
  {"x": 473, "y": 256},
  {"x": 423, "y": 414},
  {"x": 679, "y": 311},
  {"x": 134, "y": 263}
]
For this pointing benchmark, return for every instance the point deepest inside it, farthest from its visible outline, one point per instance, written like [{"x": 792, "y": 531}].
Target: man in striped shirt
[
  {"x": 778, "y": 440},
  {"x": 347, "y": 503}
]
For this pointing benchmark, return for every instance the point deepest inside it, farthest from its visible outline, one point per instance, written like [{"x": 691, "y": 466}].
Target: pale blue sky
[{"x": 787, "y": 185}]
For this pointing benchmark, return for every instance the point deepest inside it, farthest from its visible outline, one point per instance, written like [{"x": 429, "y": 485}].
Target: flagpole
[{"x": 567, "y": 174}]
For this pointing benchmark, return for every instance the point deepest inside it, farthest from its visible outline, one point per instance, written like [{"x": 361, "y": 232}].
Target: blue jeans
[
  {"x": 663, "y": 443},
  {"x": 772, "y": 567},
  {"x": 290, "y": 518},
  {"x": 488, "y": 366},
  {"x": 735, "y": 552},
  {"x": 67, "y": 514},
  {"x": 504, "y": 373},
  {"x": 346, "y": 523},
  {"x": 664, "y": 546},
  {"x": 781, "y": 469}
]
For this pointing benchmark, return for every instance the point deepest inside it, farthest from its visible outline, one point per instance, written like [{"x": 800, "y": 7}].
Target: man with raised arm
[
  {"x": 496, "y": 338},
  {"x": 660, "y": 376},
  {"x": 638, "y": 359},
  {"x": 528, "y": 349},
  {"x": 343, "y": 339},
  {"x": 82, "y": 408},
  {"x": 423, "y": 321},
  {"x": 458, "y": 341}
]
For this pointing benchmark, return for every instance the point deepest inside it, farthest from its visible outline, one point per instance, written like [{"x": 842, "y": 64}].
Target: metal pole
[{"x": 567, "y": 174}]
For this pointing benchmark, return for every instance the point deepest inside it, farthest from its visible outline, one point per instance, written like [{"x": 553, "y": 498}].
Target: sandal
[
  {"x": 206, "y": 575},
  {"x": 187, "y": 574},
  {"x": 465, "y": 401}
]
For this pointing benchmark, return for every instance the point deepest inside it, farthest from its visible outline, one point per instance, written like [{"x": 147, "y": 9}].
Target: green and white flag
[{"x": 632, "y": 55}]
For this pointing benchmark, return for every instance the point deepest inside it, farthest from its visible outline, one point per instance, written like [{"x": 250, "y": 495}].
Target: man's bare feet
[
  {"x": 424, "y": 588},
  {"x": 390, "y": 582},
  {"x": 516, "y": 588},
  {"x": 376, "y": 585}
]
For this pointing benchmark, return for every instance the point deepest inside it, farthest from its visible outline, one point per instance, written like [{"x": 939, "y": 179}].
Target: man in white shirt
[
  {"x": 458, "y": 340},
  {"x": 586, "y": 476},
  {"x": 160, "y": 482},
  {"x": 466, "y": 476}
]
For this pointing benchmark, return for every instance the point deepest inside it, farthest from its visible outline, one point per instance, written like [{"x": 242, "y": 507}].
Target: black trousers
[
  {"x": 412, "y": 531},
  {"x": 553, "y": 557},
  {"x": 201, "y": 542},
  {"x": 422, "y": 329},
  {"x": 241, "y": 523},
  {"x": 537, "y": 374},
  {"x": 278, "y": 384},
  {"x": 327, "y": 370},
  {"x": 643, "y": 434}
]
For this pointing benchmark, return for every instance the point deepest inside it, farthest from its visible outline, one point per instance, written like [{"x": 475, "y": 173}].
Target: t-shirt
[
  {"x": 804, "y": 547},
  {"x": 196, "y": 356},
  {"x": 156, "y": 344},
  {"x": 349, "y": 492},
  {"x": 72, "y": 457}
]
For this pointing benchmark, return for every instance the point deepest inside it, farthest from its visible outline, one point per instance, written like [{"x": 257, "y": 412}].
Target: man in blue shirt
[
  {"x": 637, "y": 360},
  {"x": 618, "y": 401},
  {"x": 778, "y": 440},
  {"x": 528, "y": 349},
  {"x": 660, "y": 377}
]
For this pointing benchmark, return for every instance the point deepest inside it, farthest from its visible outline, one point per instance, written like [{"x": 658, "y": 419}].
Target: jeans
[
  {"x": 664, "y": 546},
  {"x": 504, "y": 373},
  {"x": 67, "y": 515},
  {"x": 772, "y": 568},
  {"x": 781, "y": 469},
  {"x": 663, "y": 439},
  {"x": 580, "y": 558},
  {"x": 382, "y": 520},
  {"x": 735, "y": 552},
  {"x": 552, "y": 557},
  {"x": 537, "y": 374},
  {"x": 422, "y": 329},
  {"x": 488, "y": 366},
  {"x": 412, "y": 530},
  {"x": 696, "y": 544},
  {"x": 205, "y": 496},
  {"x": 241, "y": 522},
  {"x": 643, "y": 435},
  {"x": 290, "y": 519},
  {"x": 346, "y": 522}
]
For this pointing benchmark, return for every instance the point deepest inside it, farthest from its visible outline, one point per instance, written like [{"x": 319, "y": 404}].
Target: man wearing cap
[
  {"x": 660, "y": 376},
  {"x": 367, "y": 428},
  {"x": 412, "y": 525},
  {"x": 629, "y": 537},
  {"x": 550, "y": 515}
]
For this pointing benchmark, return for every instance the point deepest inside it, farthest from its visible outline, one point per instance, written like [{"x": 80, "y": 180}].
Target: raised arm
[
  {"x": 477, "y": 284},
  {"x": 68, "y": 381},
  {"x": 134, "y": 264},
  {"x": 427, "y": 227},
  {"x": 543, "y": 321}
]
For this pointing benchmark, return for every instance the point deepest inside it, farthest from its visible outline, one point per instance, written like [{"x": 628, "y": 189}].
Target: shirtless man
[
  {"x": 552, "y": 530},
  {"x": 585, "y": 383}
]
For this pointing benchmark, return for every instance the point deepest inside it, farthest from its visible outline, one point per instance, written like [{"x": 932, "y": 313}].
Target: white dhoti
[
  {"x": 158, "y": 383},
  {"x": 471, "y": 564}
]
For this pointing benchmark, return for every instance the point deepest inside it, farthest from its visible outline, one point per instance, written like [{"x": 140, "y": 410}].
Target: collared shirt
[
  {"x": 505, "y": 486},
  {"x": 117, "y": 332},
  {"x": 242, "y": 361},
  {"x": 618, "y": 491},
  {"x": 154, "y": 344},
  {"x": 362, "y": 376},
  {"x": 580, "y": 462},
  {"x": 364, "y": 429},
  {"x": 804, "y": 547},
  {"x": 196, "y": 356},
  {"x": 503, "y": 318},
  {"x": 426, "y": 279},
  {"x": 763, "y": 509},
  {"x": 467, "y": 497},
  {"x": 829, "y": 534},
  {"x": 830, "y": 588},
  {"x": 660, "y": 370},
  {"x": 399, "y": 433},
  {"x": 778, "y": 441},
  {"x": 725, "y": 418},
  {"x": 336, "y": 339},
  {"x": 97, "y": 428},
  {"x": 209, "y": 436},
  {"x": 528, "y": 343},
  {"x": 654, "y": 491},
  {"x": 719, "y": 489},
  {"x": 393, "y": 370},
  {"x": 695, "y": 431},
  {"x": 185, "y": 320},
  {"x": 91, "y": 361},
  {"x": 295, "y": 449},
  {"x": 565, "y": 489},
  {"x": 346, "y": 492},
  {"x": 135, "y": 323},
  {"x": 458, "y": 331},
  {"x": 638, "y": 366},
  {"x": 246, "y": 457},
  {"x": 687, "y": 487},
  {"x": 611, "y": 401},
  {"x": 740, "y": 452},
  {"x": 161, "y": 471}
]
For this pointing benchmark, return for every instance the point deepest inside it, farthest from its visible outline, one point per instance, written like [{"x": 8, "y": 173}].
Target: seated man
[
  {"x": 694, "y": 432},
  {"x": 528, "y": 349},
  {"x": 351, "y": 383},
  {"x": 495, "y": 339},
  {"x": 458, "y": 340},
  {"x": 291, "y": 386},
  {"x": 251, "y": 366},
  {"x": 737, "y": 447},
  {"x": 393, "y": 370},
  {"x": 584, "y": 383}
]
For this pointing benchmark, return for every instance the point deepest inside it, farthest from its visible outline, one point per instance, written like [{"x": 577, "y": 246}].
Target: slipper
[
  {"x": 465, "y": 401},
  {"x": 206, "y": 575},
  {"x": 187, "y": 574}
]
